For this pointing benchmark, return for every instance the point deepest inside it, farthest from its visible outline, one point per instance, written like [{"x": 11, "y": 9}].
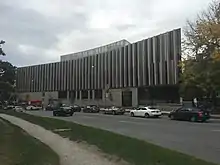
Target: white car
[
  {"x": 31, "y": 107},
  {"x": 18, "y": 109},
  {"x": 146, "y": 112}
]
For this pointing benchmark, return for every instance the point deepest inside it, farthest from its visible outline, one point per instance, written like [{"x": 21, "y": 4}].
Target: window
[
  {"x": 166, "y": 73},
  {"x": 84, "y": 94},
  {"x": 158, "y": 49},
  {"x": 171, "y": 47},
  {"x": 98, "y": 94},
  {"x": 183, "y": 110},
  {"x": 153, "y": 73},
  {"x": 72, "y": 95},
  {"x": 141, "y": 108},
  {"x": 62, "y": 94},
  {"x": 90, "y": 94},
  {"x": 151, "y": 108},
  {"x": 158, "y": 73},
  {"x": 78, "y": 95}
]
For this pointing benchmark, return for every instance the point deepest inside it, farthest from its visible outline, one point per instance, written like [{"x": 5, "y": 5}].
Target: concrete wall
[
  {"x": 116, "y": 95},
  {"x": 30, "y": 96},
  {"x": 114, "y": 99},
  {"x": 134, "y": 97},
  {"x": 38, "y": 96}
]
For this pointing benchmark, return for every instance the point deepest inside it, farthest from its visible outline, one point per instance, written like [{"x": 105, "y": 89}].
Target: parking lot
[{"x": 198, "y": 139}]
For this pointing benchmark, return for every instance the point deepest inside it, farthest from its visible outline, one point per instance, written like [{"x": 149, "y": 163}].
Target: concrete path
[
  {"x": 70, "y": 153},
  {"x": 201, "y": 140}
]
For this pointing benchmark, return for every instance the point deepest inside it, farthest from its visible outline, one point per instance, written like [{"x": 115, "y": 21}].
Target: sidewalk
[{"x": 70, "y": 152}]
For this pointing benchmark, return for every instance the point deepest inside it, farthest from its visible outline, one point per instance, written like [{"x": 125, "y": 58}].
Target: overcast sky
[{"x": 39, "y": 31}]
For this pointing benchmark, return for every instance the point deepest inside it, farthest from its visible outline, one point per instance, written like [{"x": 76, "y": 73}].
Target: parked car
[
  {"x": 129, "y": 109},
  {"x": 146, "y": 112},
  {"x": 91, "y": 109},
  {"x": 19, "y": 109},
  {"x": 50, "y": 107},
  {"x": 63, "y": 111},
  {"x": 32, "y": 107},
  {"x": 114, "y": 110},
  {"x": 76, "y": 108},
  {"x": 190, "y": 114},
  {"x": 9, "y": 107}
]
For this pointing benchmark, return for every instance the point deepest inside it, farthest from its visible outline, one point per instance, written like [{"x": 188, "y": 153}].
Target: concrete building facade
[{"x": 105, "y": 76}]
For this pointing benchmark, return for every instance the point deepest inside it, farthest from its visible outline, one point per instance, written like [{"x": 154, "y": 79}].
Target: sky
[{"x": 40, "y": 31}]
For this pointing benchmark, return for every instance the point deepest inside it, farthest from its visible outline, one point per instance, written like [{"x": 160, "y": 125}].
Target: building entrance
[{"x": 126, "y": 98}]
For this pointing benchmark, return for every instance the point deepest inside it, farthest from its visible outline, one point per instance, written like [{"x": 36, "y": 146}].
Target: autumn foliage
[{"x": 201, "y": 67}]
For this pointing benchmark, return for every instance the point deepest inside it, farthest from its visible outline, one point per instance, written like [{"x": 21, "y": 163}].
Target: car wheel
[
  {"x": 171, "y": 117},
  {"x": 132, "y": 114},
  {"x": 146, "y": 115},
  {"x": 204, "y": 120},
  {"x": 193, "y": 119},
  {"x": 113, "y": 112}
]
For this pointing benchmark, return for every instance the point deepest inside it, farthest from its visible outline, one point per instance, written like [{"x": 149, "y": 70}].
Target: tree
[
  {"x": 7, "y": 77},
  {"x": 1, "y": 50},
  {"x": 201, "y": 68}
]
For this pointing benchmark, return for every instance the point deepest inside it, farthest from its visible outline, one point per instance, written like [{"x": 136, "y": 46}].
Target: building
[
  {"x": 99, "y": 50},
  {"x": 121, "y": 74}
]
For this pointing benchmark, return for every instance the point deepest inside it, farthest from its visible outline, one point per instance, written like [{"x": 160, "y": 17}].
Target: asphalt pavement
[{"x": 201, "y": 140}]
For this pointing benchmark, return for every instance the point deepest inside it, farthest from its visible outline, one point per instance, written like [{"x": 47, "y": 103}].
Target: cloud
[{"x": 39, "y": 31}]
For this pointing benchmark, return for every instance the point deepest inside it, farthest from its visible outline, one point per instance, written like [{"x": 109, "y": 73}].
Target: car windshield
[
  {"x": 195, "y": 109},
  {"x": 152, "y": 108},
  {"x": 64, "y": 105}
]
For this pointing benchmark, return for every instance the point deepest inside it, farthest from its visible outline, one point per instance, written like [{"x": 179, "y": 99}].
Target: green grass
[
  {"x": 129, "y": 149},
  {"x": 18, "y": 148}
]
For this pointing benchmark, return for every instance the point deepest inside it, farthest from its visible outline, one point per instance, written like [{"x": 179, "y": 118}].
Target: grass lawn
[
  {"x": 131, "y": 150},
  {"x": 19, "y": 148}
]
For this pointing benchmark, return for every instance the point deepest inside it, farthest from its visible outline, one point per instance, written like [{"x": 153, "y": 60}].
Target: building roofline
[{"x": 95, "y": 48}]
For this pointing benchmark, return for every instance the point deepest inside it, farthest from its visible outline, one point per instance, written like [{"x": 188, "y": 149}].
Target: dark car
[
  {"x": 190, "y": 114},
  {"x": 50, "y": 107},
  {"x": 91, "y": 109},
  {"x": 63, "y": 111},
  {"x": 114, "y": 111},
  {"x": 76, "y": 108}
]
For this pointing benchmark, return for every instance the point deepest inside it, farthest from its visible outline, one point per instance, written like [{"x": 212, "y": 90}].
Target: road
[{"x": 201, "y": 140}]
